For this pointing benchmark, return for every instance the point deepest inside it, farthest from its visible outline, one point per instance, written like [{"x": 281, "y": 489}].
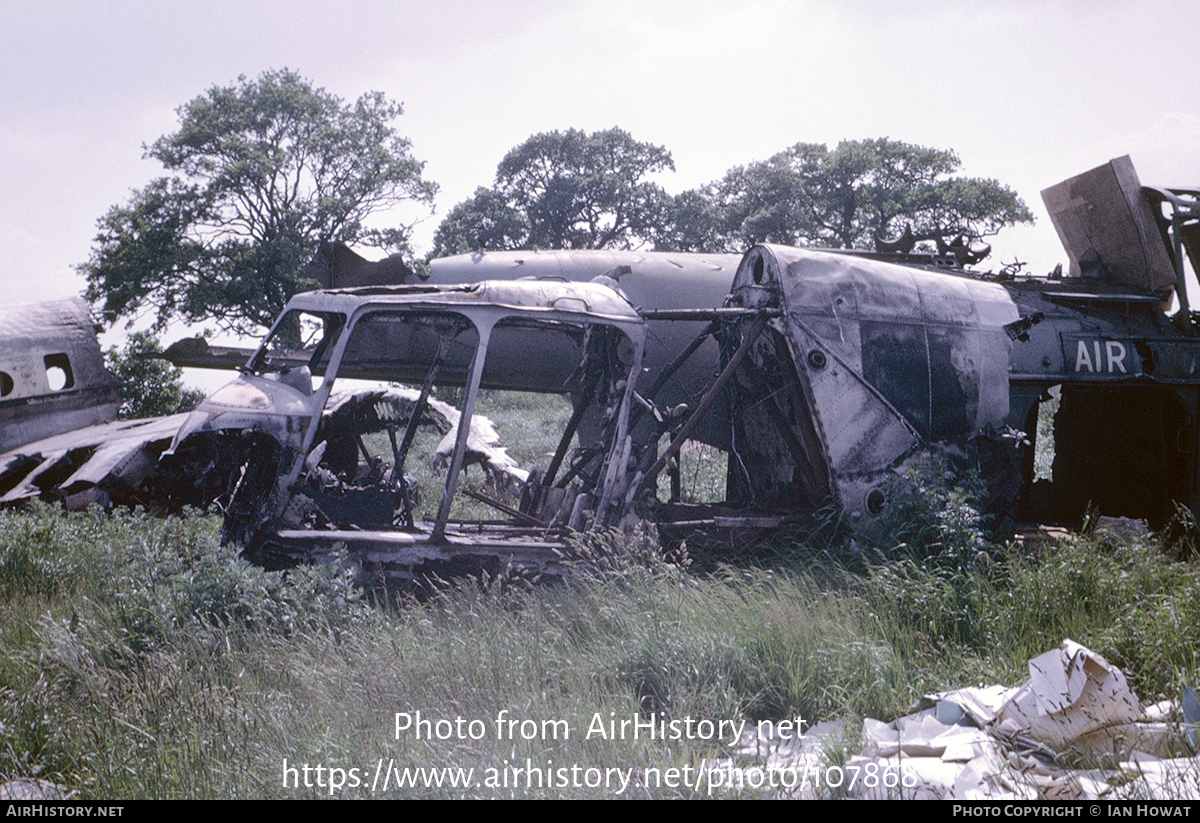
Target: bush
[{"x": 149, "y": 387}]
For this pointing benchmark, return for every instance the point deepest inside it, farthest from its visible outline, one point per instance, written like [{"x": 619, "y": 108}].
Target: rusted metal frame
[
  {"x": 649, "y": 454},
  {"x": 646, "y": 404},
  {"x": 527, "y": 519},
  {"x": 588, "y": 454},
  {"x": 418, "y": 411},
  {"x": 564, "y": 442},
  {"x": 281, "y": 496},
  {"x": 584, "y": 460},
  {"x": 770, "y": 522},
  {"x": 734, "y": 400},
  {"x": 756, "y": 329},
  {"x": 716, "y": 315},
  {"x": 798, "y": 450},
  {"x": 438, "y": 535},
  {"x": 391, "y": 431},
  {"x": 490, "y": 528},
  {"x": 1181, "y": 211},
  {"x": 362, "y": 447},
  {"x": 384, "y": 541},
  {"x": 1180, "y": 214},
  {"x": 672, "y": 367},
  {"x": 620, "y": 451}
]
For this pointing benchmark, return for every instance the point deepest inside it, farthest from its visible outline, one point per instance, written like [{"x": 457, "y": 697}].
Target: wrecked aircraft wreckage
[
  {"x": 52, "y": 375},
  {"x": 820, "y": 375}
]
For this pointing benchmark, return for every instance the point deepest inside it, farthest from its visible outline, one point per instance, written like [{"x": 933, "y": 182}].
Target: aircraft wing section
[{"x": 103, "y": 464}]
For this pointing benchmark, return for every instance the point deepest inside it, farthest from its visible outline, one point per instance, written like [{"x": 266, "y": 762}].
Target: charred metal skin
[
  {"x": 864, "y": 367},
  {"x": 283, "y": 455},
  {"x": 58, "y": 412},
  {"x": 894, "y": 363},
  {"x": 232, "y": 448},
  {"x": 821, "y": 375},
  {"x": 110, "y": 464},
  {"x": 52, "y": 374},
  {"x": 1125, "y": 381}
]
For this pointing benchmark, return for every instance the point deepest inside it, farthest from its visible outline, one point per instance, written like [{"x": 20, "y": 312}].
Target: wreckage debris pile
[{"x": 1020, "y": 743}]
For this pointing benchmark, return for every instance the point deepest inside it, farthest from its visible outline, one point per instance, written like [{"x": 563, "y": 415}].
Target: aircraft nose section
[{"x": 756, "y": 283}]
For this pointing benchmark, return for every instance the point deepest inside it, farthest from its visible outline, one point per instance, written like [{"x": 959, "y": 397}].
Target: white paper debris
[{"x": 1000, "y": 743}]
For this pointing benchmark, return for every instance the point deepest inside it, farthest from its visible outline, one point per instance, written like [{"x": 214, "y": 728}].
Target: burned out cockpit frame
[{"x": 547, "y": 336}]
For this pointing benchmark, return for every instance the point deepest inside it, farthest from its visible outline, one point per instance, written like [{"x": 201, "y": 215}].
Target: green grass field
[{"x": 139, "y": 660}]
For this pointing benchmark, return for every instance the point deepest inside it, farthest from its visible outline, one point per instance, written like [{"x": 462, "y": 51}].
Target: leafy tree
[
  {"x": 151, "y": 388},
  {"x": 809, "y": 195},
  {"x": 564, "y": 190},
  {"x": 691, "y": 224},
  {"x": 485, "y": 220},
  {"x": 262, "y": 172}
]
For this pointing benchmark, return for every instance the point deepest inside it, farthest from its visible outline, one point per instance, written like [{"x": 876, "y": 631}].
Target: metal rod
[
  {"x": 756, "y": 329},
  {"x": 672, "y": 367},
  {"x": 438, "y": 535},
  {"x": 528, "y": 519},
  {"x": 418, "y": 411},
  {"x": 572, "y": 425}
]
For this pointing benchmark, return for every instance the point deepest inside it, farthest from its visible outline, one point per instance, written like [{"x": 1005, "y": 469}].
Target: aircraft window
[
  {"x": 300, "y": 338},
  {"x": 58, "y": 372},
  {"x": 385, "y": 344},
  {"x": 6, "y": 384}
]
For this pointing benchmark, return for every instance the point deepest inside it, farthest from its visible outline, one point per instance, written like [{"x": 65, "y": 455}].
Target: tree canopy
[
  {"x": 262, "y": 172},
  {"x": 571, "y": 190},
  {"x": 809, "y": 195},
  {"x": 564, "y": 190},
  {"x": 149, "y": 387}
]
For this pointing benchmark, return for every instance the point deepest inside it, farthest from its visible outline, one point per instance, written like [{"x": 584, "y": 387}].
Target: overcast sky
[{"x": 1029, "y": 93}]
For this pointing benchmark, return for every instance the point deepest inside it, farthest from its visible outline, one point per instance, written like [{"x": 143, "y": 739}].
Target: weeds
[{"x": 140, "y": 660}]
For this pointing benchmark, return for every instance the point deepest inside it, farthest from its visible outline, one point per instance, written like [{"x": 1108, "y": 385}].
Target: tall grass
[{"x": 140, "y": 660}]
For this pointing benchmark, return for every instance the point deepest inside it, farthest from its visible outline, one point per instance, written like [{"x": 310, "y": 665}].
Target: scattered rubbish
[
  {"x": 1191, "y": 717},
  {"x": 1073, "y": 731}
]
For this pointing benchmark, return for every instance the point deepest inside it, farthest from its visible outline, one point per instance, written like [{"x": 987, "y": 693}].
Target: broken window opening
[
  {"x": 358, "y": 469},
  {"x": 1043, "y": 441},
  {"x": 698, "y": 475},
  {"x": 592, "y": 363},
  {"x": 6, "y": 384},
  {"x": 528, "y": 426},
  {"x": 1124, "y": 449},
  {"x": 357, "y": 448},
  {"x": 298, "y": 348},
  {"x": 58, "y": 372},
  {"x": 401, "y": 347}
]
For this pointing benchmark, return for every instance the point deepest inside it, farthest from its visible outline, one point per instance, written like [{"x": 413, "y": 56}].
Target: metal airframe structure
[{"x": 820, "y": 375}]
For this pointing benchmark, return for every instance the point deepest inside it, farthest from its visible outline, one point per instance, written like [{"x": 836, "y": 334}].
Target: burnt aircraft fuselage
[
  {"x": 286, "y": 459},
  {"x": 52, "y": 374},
  {"x": 820, "y": 375},
  {"x": 868, "y": 366},
  {"x": 833, "y": 373},
  {"x": 893, "y": 361}
]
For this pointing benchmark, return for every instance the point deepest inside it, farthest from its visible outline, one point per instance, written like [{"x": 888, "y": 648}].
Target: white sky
[{"x": 1026, "y": 92}]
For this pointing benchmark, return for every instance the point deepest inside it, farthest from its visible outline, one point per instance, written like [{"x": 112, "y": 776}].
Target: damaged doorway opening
[
  {"x": 1087, "y": 436},
  {"x": 699, "y": 475}
]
